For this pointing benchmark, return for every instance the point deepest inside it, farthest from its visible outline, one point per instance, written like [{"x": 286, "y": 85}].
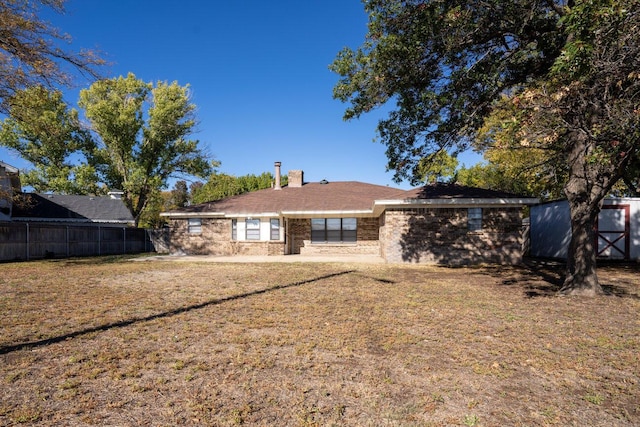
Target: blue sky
[{"x": 258, "y": 72}]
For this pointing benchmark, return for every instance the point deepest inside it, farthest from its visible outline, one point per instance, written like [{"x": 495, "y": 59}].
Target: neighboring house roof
[
  {"x": 9, "y": 177},
  {"x": 344, "y": 198},
  {"x": 352, "y": 197},
  {"x": 8, "y": 167},
  {"x": 72, "y": 208}
]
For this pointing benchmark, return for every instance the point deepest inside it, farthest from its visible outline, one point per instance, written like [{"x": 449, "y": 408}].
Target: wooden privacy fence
[{"x": 27, "y": 241}]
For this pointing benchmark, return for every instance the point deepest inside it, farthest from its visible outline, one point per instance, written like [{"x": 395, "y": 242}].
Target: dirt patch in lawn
[{"x": 109, "y": 342}]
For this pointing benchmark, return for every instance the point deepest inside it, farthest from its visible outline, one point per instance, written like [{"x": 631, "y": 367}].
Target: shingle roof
[
  {"x": 311, "y": 197},
  {"x": 455, "y": 191},
  {"x": 56, "y": 207},
  {"x": 344, "y": 196}
]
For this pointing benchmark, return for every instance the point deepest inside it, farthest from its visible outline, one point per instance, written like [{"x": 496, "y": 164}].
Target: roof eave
[
  {"x": 329, "y": 213},
  {"x": 181, "y": 215}
]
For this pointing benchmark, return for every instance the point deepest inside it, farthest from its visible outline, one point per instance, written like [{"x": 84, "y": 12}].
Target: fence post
[
  {"x": 28, "y": 243},
  {"x": 99, "y": 241},
  {"x": 124, "y": 240},
  {"x": 68, "y": 243}
]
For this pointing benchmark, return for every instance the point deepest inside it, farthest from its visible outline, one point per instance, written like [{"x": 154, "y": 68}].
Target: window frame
[
  {"x": 474, "y": 219},
  {"x": 234, "y": 229},
  {"x": 334, "y": 230},
  {"x": 274, "y": 232},
  {"x": 194, "y": 225},
  {"x": 252, "y": 232}
]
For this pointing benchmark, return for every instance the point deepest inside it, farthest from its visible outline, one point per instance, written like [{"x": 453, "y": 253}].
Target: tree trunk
[
  {"x": 581, "y": 277},
  {"x": 585, "y": 189}
]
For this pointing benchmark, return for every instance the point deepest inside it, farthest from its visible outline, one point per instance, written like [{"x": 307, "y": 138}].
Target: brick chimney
[
  {"x": 296, "y": 178},
  {"x": 278, "y": 185}
]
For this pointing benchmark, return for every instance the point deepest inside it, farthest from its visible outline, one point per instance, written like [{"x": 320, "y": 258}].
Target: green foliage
[
  {"x": 522, "y": 172},
  {"x": 444, "y": 63},
  {"x": 220, "y": 185},
  {"x": 437, "y": 167},
  {"x": 139, "y": 139},
  {"x": 143, "y": 136},
  {"x": 150, "y": 216},
  {"x": 46, "y": 133},
  {"x": 179, "y": 196}
]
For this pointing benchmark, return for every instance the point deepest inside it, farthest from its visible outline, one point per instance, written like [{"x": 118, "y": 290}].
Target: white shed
[{"x": 618, "y": 229}]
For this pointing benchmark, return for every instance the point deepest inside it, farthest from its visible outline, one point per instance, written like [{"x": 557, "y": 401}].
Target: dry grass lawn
[{"x": 106, "y": 341}]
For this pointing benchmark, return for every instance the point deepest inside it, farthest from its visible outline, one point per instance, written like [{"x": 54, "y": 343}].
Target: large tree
[
  {"x": 566, "y": 71},
  {"x": 138, "y": 139},
  {"x": 48, "y": 134},
  {"x": 142, "y": 136},
  {"x": 31, "y": 52}
]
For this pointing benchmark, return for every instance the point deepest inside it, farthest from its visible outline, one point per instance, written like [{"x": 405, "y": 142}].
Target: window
[
  {"x": 317, "y": 230},
  {"x": 195, "y": 225},
  {"x": 474, "y": 219},
  {"x": 349, "y": 229},
  {"x": 275, "y": 229},
  {"x": 333, "y": 230},
  {"x": 234, "y": 229},
  {"x": 252, "y": 229}
]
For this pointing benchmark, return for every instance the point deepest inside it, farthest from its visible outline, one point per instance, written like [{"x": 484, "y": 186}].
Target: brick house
[{"x": 436, "y": 224}]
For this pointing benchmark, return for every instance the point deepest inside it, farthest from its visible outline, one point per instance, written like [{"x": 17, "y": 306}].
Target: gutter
[
  {"x": 179, "y": 215},
  {"x": 358, "y": 213}
]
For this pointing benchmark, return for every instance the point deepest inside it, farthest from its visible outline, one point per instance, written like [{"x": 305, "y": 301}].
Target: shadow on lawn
[
  {"x": 125, "y": 323},
  {"x": 544, "y": 278}
]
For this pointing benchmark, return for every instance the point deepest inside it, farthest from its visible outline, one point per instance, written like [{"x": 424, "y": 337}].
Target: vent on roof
[{"x": 324, "y": 181}]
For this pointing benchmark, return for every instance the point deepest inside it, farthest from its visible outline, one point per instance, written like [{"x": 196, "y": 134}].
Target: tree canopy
[
  {"x": 221, "y": 185},
  {"x": 142, "y": 136},
  {"x": 47, "y": 134},
  {"x": 30, "y": 52},
  {"x": 556, "y": 78},
  {"x": 138, "y": 139}
]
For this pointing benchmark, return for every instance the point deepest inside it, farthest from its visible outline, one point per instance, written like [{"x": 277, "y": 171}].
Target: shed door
[{"x": 613, "y": 232}]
